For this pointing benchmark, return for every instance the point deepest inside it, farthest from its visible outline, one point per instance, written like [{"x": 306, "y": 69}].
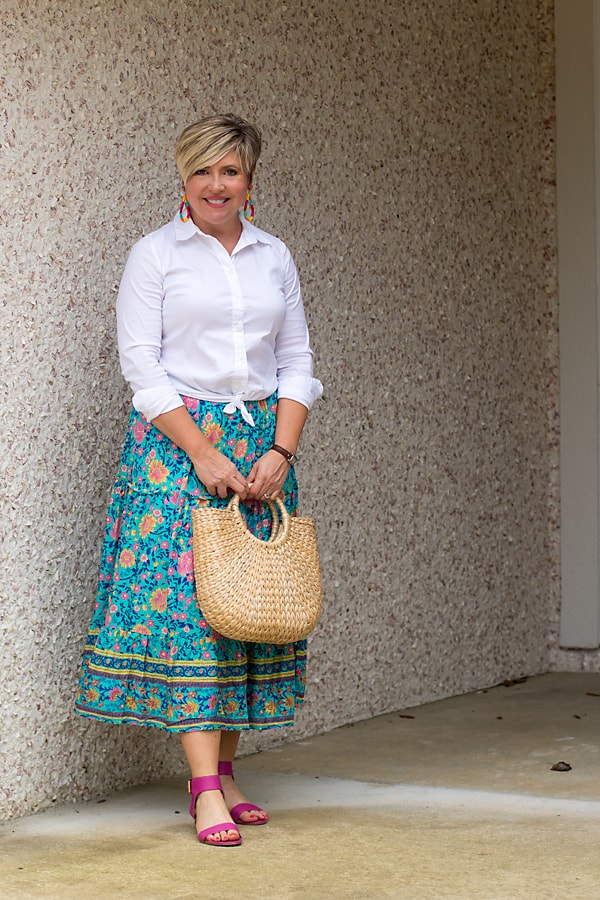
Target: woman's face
[{"x": 216, "y": 193}]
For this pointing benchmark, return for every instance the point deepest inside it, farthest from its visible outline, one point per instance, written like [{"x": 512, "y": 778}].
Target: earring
[
  {"x": 184, "y": 206},
  {"x": 249, "y": 205}
]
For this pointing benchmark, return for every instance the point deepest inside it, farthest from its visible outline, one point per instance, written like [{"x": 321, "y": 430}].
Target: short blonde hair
[{"x": 206, "y": 142}]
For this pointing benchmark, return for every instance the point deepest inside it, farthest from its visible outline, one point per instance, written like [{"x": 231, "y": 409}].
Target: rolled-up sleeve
[
  {"x": 294, "y": 356},
  {"x": 139, "y": 332}
]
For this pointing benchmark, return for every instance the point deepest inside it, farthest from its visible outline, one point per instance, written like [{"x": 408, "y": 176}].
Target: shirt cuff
[
  {"x": 301, "y": 388},
  {"x": 153, "y": 402}
]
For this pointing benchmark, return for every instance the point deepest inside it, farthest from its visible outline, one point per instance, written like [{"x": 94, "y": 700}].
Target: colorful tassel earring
[
  {"x": 249, "y": 206},
  {"x": 184, "y": 209}
]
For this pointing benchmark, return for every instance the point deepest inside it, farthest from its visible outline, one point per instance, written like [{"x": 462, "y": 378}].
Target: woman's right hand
[{"x": 218, "y": 474}]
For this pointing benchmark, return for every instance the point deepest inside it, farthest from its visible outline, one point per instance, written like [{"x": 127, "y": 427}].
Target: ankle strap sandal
[
  {"x": 226, "y": 768},
  {"x": 200, "y": 785}
]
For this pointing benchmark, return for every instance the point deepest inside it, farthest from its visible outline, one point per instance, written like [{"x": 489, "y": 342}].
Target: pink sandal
[
  {"x": 226, "y": 768},
  {"x": 197, "y": 786}
]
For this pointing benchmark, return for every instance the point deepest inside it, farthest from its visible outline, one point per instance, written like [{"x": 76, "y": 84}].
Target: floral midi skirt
[{"x": 151, "y": 658}]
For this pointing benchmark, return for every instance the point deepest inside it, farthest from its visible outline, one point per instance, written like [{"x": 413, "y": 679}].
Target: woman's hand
[
  {"x": 267, "y": 476},
  {"x": 218, "y": 474}
]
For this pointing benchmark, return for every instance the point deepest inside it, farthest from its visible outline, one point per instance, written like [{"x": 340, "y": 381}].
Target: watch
[{"x": 291, "y": 457}]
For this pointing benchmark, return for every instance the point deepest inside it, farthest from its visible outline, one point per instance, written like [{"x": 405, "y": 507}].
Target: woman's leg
[
  {"x": 233, "y": 796},
  {"x": 202, "y": 751},
  {"x": 229, "y": 745}
]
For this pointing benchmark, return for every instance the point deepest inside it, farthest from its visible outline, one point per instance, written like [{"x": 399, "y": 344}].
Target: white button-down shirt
[{"x": 193, "y": 320}]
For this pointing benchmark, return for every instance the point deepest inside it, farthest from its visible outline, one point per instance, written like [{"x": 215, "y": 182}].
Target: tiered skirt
[{"x": 151, "y": 658}]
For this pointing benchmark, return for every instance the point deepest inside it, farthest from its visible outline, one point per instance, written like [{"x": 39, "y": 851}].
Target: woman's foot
[
  {"x": 210, "y": 812},
  {"x": 242, "y": 812}
]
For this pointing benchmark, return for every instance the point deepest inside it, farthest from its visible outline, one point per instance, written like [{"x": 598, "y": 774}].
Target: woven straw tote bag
[{"x": 253, "y": 590}]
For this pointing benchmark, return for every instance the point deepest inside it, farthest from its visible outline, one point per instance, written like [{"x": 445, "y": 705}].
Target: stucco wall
[{"x": 408, "y": 165}]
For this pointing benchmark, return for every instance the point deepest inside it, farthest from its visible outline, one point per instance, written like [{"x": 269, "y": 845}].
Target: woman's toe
[
  {"x": 254, "y": 815},
  {"x": 218, "y": 837}
]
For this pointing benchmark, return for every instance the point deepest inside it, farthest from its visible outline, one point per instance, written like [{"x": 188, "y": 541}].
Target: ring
[{"x": 266, "y": 496}]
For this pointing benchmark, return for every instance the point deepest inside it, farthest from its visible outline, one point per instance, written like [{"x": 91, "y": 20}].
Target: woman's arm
[
  {"x": 294, "y": 356},
  {"x": 291, "y": 417},
  {"x": 270, "y": 471},
  {"x": 139, "y": 330},
  {"x": 214, "y": 470}
]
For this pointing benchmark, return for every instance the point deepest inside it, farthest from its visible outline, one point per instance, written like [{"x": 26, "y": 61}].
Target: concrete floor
[{"x": 455, "y": 799}]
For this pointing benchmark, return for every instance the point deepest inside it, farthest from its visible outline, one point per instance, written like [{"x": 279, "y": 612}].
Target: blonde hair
[{"x": 206, "y": 142}]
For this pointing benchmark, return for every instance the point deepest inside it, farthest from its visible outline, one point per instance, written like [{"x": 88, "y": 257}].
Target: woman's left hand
[{"x": 267, "y": 476}]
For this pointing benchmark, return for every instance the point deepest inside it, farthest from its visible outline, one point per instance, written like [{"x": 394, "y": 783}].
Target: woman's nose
[{"x": 216, "y": 182}]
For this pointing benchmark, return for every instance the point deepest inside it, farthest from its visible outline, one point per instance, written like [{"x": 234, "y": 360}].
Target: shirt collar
[{"x": 250, "y": 233}]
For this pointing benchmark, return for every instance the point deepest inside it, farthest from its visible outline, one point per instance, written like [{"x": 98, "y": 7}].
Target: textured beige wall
[{"x": 408, "y": 165}]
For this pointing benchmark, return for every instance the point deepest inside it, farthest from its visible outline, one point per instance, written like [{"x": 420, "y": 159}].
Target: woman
[{"x": 213, "y": 341}]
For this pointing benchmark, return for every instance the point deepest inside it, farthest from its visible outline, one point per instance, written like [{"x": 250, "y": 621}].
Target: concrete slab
[
  {"x": 501, "y": 739},
  {"x": 422, "y": 809}
]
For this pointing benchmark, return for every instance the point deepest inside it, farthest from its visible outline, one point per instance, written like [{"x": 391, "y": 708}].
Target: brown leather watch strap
[{"x": 290, "y": 457}]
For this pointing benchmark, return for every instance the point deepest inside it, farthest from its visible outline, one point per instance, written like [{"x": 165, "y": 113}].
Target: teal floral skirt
[{"x": 151, "y": 658}]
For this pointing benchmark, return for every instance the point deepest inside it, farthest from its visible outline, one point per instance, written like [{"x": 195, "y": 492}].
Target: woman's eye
[
  {"x": 200, "y": 172},
  {"x": 231, "y": 172}
]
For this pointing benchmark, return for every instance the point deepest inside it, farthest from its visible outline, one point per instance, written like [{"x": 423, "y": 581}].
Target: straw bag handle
[
  {"x": 280, "y": 529},
  {"x": 275, "y": 521}
]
